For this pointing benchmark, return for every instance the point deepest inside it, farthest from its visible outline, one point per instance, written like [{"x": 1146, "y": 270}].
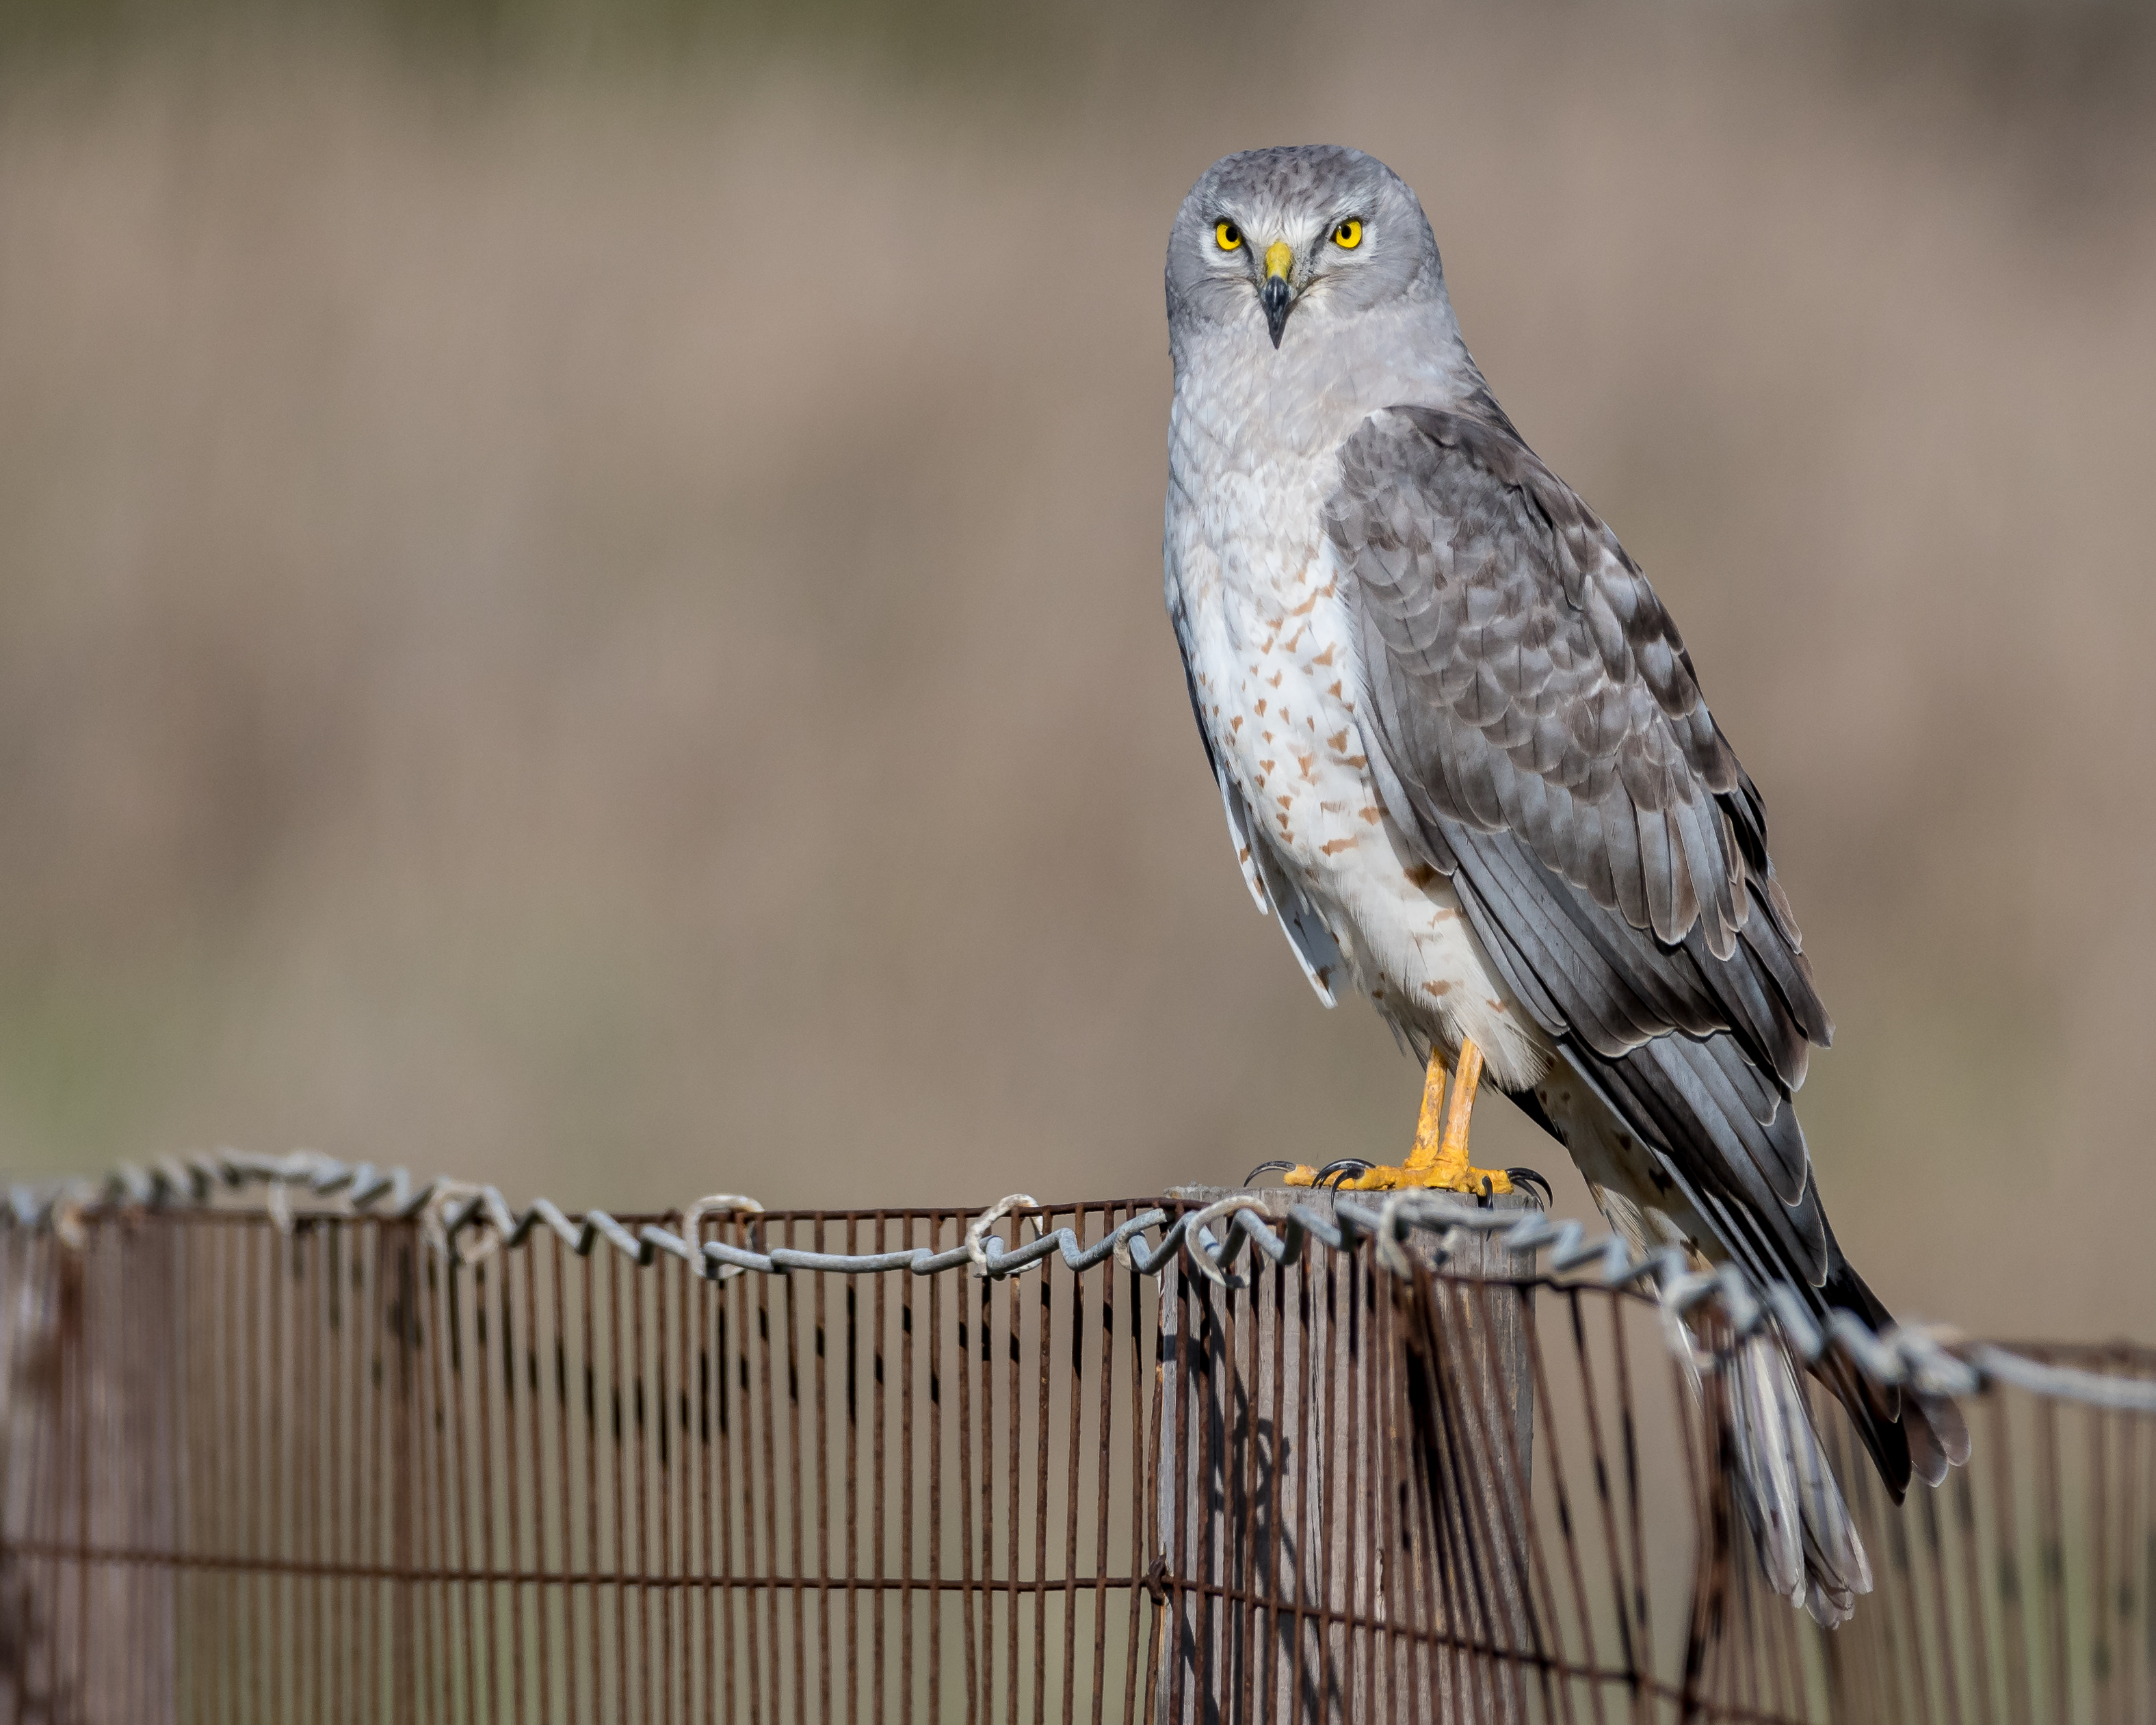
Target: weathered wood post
[
  {"x": 90, "y": 1456},
  {"x": 1341, "y": 1475}
]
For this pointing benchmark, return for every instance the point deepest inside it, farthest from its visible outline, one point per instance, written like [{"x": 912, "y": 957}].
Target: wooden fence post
[
  {"x": 1341, "y": 1479},
  {"x": 91, "y": 1453}
]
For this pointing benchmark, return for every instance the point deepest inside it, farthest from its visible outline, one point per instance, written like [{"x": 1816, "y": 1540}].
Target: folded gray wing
[{"x": 1535, "y": 725}]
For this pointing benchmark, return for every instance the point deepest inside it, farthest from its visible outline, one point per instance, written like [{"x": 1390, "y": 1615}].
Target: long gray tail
[{"x": 1808, "y": 1546}]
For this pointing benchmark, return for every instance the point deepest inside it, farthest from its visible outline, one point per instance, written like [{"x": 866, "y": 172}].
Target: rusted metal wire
[{"x": 392, "y": 1452}]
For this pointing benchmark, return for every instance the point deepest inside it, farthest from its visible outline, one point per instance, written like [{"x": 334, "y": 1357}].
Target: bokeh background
[{"x": 579, "y": 583}]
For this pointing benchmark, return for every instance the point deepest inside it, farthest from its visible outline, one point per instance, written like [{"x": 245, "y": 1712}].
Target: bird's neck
[{"x": 1233, "y": 389}]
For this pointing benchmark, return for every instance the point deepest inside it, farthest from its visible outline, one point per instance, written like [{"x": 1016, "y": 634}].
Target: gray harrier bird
[{"x": 1466, "y": 760}]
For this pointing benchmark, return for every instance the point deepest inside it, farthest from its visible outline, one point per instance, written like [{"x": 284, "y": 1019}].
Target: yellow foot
[
  {"x": 1439, "y": 1160},
  {"x": 1366, "y": 1177}
]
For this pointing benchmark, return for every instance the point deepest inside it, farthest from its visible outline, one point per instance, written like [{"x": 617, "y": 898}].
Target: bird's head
[{"x": 1312, "y": 231}]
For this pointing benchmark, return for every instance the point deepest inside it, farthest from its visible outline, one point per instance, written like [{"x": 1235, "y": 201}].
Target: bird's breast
[
  {"x": 1269, "y": 640},
  {"x": 1269, "y": 630}
]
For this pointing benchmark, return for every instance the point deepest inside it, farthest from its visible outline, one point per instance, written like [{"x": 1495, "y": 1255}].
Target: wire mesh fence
[{"x": 270, "y": 1467}]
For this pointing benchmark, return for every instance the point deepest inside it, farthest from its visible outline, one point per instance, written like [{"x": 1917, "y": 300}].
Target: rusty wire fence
[{"x": 430, "y": 1461}]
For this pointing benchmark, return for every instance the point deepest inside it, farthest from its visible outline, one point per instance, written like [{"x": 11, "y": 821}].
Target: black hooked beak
[{"x": 1280, "y": 259}]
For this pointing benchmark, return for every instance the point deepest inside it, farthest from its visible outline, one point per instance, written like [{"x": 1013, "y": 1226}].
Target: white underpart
[{"x": 1252, "y": 585}]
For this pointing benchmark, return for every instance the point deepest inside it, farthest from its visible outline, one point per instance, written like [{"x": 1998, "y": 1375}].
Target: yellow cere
[
  {"x": 1348, "y": 234},
  {"x": 1227, "y": 236},
  {"x": 1279, "y": 258}
]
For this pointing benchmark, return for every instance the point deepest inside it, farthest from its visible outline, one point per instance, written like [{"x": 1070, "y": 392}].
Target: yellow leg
[{"x": 1439, "y": 1158}]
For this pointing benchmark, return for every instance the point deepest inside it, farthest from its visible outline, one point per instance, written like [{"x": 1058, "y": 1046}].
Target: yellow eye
[
  {"x": 1227, "y": 236},
  {"x": 1347, "y": 235}
]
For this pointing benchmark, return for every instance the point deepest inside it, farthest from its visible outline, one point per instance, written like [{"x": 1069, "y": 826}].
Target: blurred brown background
[{"x": 579, "y": 586}]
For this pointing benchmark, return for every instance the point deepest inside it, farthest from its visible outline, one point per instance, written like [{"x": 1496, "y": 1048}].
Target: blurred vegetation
[
  {"x": 966, "y": 36},
  {"x": 2015, "y": 52}
]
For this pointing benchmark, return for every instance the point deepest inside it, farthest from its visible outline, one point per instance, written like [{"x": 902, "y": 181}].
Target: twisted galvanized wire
[{"x": 467, "y": 1222}]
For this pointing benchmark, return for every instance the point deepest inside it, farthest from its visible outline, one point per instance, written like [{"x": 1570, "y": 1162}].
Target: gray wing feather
[
  {"x": 1534, "y": 723},
  {"x": 1315, "y": 948}
]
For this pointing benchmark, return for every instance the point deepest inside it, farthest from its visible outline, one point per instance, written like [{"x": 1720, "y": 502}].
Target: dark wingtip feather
[{"x": 1910, "y": 1435}]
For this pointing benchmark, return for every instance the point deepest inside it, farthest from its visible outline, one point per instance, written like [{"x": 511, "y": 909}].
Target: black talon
[
  {"x": 1266, "y": 1168},
  {"x": 1528, "y": 1177},
  {"x": 1340, "y": 1170}
]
